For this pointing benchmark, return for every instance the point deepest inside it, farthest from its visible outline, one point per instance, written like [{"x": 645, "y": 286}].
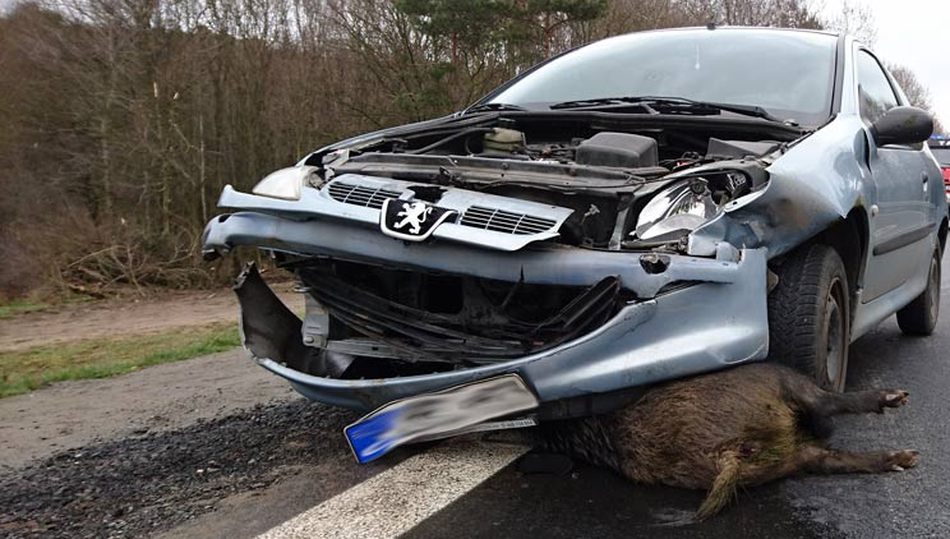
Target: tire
[
  {"x": 919, "y": 317},
  {"x": 810, "y": 315}
]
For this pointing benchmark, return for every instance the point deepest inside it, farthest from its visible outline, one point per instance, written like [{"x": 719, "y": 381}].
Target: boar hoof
[
  {"x": 894, "y": 399},
  {"x": 898, "y": 461}
]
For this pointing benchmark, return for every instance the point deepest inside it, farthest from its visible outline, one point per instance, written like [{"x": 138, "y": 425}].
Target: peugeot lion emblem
[{"x": 412, "y": 220}]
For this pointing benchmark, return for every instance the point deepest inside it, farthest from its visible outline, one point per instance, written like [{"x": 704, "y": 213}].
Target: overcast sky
[{"x": 916, "y": 34}]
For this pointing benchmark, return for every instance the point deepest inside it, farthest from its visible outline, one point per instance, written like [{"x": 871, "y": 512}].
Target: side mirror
[{"x": 903, "y": 125}]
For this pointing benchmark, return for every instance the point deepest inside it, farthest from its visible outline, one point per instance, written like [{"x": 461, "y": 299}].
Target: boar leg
[
  {"x": 819, "y": 460},
  {"x": 822, "y": 404},
  {"x": 859, "y": 402},
  {"x": 737, "y": 468},
  {"x": 829, "y": 461}
]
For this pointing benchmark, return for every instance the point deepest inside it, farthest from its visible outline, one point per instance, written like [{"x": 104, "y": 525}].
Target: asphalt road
[
  {"x": 589, "y": 502},
  {"x": 282, "y": 460},
  {"x": 914, "y": 503}
]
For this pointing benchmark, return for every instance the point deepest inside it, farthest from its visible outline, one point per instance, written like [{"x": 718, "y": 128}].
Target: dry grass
[
  {"x": 20, "y": 306},
  {"x": 38, "y": 301},
  {"x": 26, "y": 370}
]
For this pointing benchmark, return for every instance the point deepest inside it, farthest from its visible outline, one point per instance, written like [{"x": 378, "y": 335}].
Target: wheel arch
[
  {"x": 850, "y": 238},
  {"x": 942, "y": 235}
]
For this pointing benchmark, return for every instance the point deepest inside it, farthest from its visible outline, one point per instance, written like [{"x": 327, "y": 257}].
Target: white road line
[{"x": 394, "y": 501}]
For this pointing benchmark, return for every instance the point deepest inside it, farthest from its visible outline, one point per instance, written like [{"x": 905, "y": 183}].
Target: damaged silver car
[{"x": 642, "y": 208}]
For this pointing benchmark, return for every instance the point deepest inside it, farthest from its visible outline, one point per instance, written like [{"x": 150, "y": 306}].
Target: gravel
[{"x": 145, "y": 484}]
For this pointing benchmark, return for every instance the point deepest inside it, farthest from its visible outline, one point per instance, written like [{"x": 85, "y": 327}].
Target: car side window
[{"x": 874, "y": 89}]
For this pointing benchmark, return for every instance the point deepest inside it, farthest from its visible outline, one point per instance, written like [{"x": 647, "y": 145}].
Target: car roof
[
  {"x": 799, "y": 33},
  {"x": 756, "y": 29}
]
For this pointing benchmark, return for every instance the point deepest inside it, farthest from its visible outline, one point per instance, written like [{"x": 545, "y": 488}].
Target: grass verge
[
  {"x": 22, "y": 371},
  {"x": 18, "y": 306},
  {"x": 11, "y": 308}
]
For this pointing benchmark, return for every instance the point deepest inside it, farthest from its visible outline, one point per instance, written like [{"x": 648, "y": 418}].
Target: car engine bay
[
  {"x": 642, "y": 188},
  {"x": 557, "y": 186}
]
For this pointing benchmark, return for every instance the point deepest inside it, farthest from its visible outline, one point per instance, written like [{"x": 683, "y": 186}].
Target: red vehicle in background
[{"x": 941, "y": 150}]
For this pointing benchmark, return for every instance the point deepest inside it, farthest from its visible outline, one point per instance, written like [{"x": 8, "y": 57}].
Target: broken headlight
[
  {"x": 284, "y": 183},
  {"x": 682, "y": 207}
]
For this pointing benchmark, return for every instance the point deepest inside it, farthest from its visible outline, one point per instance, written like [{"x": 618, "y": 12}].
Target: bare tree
[
  {"x": 123, "y": 119},
  {"x": 916, "y": 93},
  {"x": 850, "y": 17}
]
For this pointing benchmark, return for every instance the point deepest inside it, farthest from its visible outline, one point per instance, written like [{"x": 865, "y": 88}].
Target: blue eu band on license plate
[{"x": 434, "y": 415}]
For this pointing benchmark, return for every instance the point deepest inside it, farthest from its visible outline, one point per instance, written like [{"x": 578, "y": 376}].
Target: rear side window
[
  {"x": 942, "y": 155},
  {"x": 876, "y": 94}
]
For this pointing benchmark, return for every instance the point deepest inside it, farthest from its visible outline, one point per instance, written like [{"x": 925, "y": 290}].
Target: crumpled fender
[{"x": 814, "y": 184}]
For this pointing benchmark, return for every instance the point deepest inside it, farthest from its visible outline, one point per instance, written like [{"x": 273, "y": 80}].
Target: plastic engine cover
[{"x": 617, "y": 150}]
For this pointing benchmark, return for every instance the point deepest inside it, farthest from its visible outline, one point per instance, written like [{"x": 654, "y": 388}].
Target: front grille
[
  {"x": 505, "y": 221},
  {"x": 360, "y": 195}
]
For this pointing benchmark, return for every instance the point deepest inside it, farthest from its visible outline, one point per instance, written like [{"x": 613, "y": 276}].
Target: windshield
[
  {"x": 942, "y": 155},
  {"x": 789, "y": 74}
]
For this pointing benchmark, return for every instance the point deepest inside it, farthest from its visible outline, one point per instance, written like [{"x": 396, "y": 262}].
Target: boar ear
[{"x": 723, "y": 488}]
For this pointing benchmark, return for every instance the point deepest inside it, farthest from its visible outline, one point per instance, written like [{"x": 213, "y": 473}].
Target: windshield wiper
[
  {"x": 493, "y": 107},
  {"x": 656, "y": 105}
]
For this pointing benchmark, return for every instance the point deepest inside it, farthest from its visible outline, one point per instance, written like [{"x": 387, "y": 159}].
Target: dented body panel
[
  {"x": 642, "y": 344},
  {"x": 544, "y": 264}
]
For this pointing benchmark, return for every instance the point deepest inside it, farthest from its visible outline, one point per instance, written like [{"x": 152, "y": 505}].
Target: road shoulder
[{"x": 163, "y": 397}]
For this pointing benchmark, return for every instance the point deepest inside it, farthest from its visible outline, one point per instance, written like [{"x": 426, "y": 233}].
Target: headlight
[
  {"x": 284, "y": 183},
  {"x": 684, "y": 206}
]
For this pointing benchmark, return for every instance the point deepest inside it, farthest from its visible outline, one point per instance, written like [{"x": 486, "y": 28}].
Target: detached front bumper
[{"x": 718, "y": 318}]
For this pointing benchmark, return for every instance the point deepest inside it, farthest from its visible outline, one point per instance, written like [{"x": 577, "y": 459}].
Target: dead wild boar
[{"x": 739, "y": 427}]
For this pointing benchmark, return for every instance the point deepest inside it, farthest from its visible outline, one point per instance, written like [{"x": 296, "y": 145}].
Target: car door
[{"x": 901, "y": 217}]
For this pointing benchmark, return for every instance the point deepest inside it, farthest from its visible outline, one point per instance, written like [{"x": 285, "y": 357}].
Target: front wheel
[
  {"x": 919, "y": 317},
  {"x": 810, "y": 315}
]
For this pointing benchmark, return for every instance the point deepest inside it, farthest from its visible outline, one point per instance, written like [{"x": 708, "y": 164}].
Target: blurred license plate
[{"x": 437, "y": 415}]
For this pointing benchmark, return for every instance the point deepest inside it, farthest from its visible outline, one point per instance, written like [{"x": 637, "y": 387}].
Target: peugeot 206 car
[{"x": 642, "y": 208}]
